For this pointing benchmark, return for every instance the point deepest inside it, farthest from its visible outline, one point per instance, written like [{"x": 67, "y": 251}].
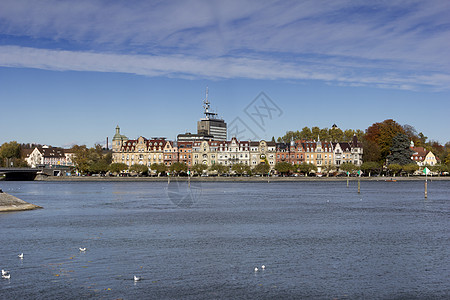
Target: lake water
[{"x": 318, "y": 240}]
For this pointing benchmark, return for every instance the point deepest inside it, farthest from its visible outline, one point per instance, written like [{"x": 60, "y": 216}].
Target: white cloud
[
  {"x": 399, "y": 44},
  {"x": 213, "y": 67}
]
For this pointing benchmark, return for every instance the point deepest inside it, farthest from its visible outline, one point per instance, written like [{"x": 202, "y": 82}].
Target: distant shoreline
[{"x": 232, "y": 179}]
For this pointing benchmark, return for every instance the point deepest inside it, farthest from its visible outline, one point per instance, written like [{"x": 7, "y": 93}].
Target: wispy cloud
[{"x": 398, "y": 44}]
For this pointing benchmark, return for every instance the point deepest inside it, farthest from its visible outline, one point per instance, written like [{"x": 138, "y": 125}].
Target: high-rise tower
[{"x": 211, "y": 124}]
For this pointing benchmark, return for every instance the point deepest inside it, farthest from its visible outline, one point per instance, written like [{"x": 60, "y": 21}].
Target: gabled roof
[{"x": 51, "y": 151}]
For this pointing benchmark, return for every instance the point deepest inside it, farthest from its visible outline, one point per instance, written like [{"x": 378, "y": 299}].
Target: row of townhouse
[
  {"x": 233, "y": 152},
  {"x": 159, "y": 150},
  {"x": 320, "y": 153}
]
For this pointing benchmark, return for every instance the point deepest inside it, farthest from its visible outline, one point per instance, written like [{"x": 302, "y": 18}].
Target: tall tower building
[{"x": 211, "y": 124}]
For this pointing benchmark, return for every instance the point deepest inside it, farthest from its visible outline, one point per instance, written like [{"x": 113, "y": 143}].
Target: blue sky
[{"x": 70, "y": 71}]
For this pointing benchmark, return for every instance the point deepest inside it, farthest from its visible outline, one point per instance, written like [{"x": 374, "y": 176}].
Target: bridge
[{"x": 18, "y": 173}]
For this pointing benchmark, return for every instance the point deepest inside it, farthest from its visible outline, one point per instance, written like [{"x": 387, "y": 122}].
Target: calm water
[{"x": 318, "y": 240}]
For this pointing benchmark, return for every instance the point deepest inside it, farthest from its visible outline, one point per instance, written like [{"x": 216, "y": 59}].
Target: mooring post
[
  {"x": 426, "y": 186},
  {"x": 348, "y": 174},
  {"x": 359, "y": 181}
]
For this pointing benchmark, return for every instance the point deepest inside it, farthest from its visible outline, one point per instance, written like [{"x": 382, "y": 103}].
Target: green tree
[
  {"x": 315, "y": 131},
  {"x": 158, "y": 168},
  {"x": 371, "y": 167},
  {"x": 178, "y": 167},
  {"x": 91, "y": 160},
  {"x": 324, "y": 135},
  {"x": 328, "y": 168},
  {"x": 348, "y": 135},
  {"x": 98, "y": 167},
  {"x": 9, "y": 152},
  {"x": 81, "y": 158},
  {"x": 347, "y": 167},
  {"x": 307, "y": 168},
  {"x": 283, "y": 167},
  {"x": 139, "y": 169},
  {"x": 400, "y": 151},
  {"x": 220, "y": 169},
  {"x": 394, "y": 168},
  {"x": 240, "y": 169},
  {"x": 117, "y": 167},
  {"x": 199, "y": 168},
  {"x": 261, "y": 169},
  {"x": 410, "y": 168},
  {"x": 336, "y": 134},
  {"x": 306, "y": 134}
]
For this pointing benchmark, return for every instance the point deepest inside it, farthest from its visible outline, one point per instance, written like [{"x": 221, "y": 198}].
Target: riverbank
[
  {"x": 10, "y": 203},
  {"x": 234, "y": 179}
]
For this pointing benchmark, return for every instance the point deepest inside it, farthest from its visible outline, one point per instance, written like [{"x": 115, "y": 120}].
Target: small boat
[{"x": 391, "y": 180}]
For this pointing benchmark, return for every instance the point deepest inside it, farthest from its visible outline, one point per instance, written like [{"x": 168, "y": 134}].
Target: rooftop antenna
[{"x": 206, "y": 106}]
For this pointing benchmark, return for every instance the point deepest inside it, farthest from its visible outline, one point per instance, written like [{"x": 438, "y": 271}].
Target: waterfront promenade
[{"x": 237, "y": 179}]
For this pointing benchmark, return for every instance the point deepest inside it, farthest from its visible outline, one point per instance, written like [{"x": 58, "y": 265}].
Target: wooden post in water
[
  {"x": 426, "y": 171},
  {"x": 168, "y": 178},
  {"x": 359, "y": 182},
  {"x": 348, "y": 174},
  {"x": 189, "y": 179}
]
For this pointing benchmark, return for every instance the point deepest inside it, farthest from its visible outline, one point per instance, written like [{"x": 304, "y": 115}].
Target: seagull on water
[
  {"x": 20, "y": 255},
  {"x": 6, "y": 276},
  {"x": 136, "y": 278},
  {"x": 263, "y": 267},
  {"x": 4, "y": 272},
  {"x": 256, "y": 269},
  {"x": 82, "y": 249}
]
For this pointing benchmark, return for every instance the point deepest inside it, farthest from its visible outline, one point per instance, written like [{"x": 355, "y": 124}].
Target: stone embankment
[
  {"x": 10, "y": 203},
  {"x": 235, "y": 179}
]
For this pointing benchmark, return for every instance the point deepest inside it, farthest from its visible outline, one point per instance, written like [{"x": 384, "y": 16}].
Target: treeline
[
  {"x": 376, "y": 139},
  {"x": 11, "y": 155},
  {"x": 325, "y": 134}
]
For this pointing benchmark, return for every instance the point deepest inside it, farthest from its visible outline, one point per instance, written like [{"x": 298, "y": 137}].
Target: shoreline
[
  {"x": 11, "y": 203},
  {"x": 232, "y": 179}
]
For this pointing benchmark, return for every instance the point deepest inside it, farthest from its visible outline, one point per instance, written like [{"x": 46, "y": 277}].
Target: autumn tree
[{"x": 382, "y": 134}]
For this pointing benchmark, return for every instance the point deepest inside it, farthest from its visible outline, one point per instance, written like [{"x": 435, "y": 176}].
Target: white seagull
[
  {"x": 20, "y": 255},
  {"x": 82, "y": 249},
  {"x": 136, "y": 278},
  {"x": 263, "y": 267},
  {"x": 6, "y": 276},
  {"x": 256, "y": 269},
  {"x": 4, "y": 272}
]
